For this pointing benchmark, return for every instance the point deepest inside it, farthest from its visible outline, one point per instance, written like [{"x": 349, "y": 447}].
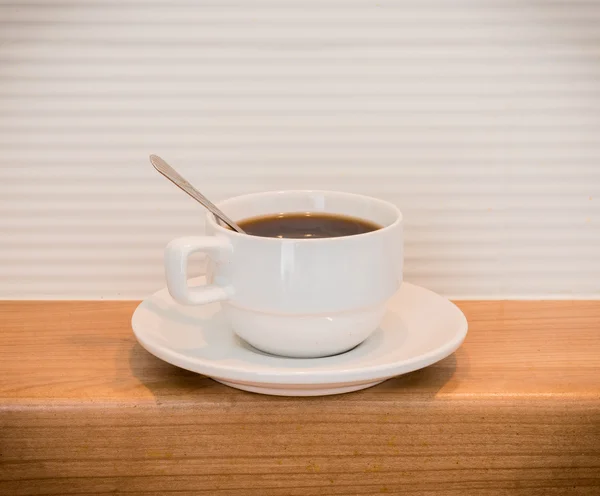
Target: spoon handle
[{"x": 172, "y": 175}]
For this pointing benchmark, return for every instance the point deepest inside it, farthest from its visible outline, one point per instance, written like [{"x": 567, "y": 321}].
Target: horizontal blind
[{"x": 479, "y": 119}]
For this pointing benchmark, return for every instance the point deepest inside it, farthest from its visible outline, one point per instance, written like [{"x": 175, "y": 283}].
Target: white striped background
[{"x": 480, "y": 119}]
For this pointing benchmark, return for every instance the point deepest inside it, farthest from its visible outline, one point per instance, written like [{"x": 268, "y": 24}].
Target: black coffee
[{"x": 306, "y": 225}]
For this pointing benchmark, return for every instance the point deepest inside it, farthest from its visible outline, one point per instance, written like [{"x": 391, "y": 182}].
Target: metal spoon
[{"x": 172, "y": 175}]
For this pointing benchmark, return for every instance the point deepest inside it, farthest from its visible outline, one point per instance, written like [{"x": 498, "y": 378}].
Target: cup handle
[{"x": 177, "y": 253}]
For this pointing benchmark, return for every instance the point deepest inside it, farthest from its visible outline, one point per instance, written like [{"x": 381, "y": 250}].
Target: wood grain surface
[{"x": 85, "y": 410}]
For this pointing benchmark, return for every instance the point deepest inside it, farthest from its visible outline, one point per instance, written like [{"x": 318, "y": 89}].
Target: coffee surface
[{"x": 306, "y": 225}]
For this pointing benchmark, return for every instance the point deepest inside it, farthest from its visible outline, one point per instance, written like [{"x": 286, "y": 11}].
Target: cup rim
[{"x": 211, "y": 219}]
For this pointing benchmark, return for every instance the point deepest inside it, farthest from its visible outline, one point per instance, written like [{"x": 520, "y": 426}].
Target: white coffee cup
[{"x": 296, "y": 297}]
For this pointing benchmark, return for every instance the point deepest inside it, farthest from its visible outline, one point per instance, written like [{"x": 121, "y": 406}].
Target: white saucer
[{"x": 419, "y": 329}]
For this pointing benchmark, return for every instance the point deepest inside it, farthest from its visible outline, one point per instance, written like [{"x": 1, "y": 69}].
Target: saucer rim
[{"x": 234, "y": 373}]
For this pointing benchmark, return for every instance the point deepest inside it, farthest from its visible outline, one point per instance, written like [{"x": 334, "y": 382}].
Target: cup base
[{"x": 312, "y": 336}]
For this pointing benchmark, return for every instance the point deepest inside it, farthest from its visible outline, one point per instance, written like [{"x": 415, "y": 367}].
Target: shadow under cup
[{"x": 306, "y": 297}]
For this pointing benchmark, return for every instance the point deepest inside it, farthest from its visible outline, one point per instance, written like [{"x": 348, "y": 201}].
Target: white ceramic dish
[{"x": 419, "y": 329}]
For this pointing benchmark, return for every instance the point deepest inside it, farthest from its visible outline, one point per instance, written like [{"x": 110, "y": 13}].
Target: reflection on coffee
[{"x": 308, "y": 225}]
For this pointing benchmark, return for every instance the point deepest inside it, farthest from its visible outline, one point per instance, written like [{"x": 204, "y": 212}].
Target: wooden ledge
[{"x": 85, "y": 410}]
